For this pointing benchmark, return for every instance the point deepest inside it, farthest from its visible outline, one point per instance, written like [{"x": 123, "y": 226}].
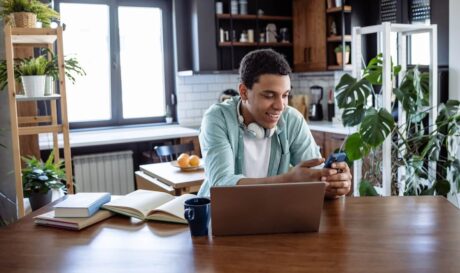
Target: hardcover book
[
  {"x": 151, "y": 205},
  {"x": 82, "y": 204},
  {"x": 73, "y": 223}
]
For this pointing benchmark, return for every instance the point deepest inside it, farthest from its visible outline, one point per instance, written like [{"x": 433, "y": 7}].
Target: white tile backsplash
[{"x": 197, "y": 93}]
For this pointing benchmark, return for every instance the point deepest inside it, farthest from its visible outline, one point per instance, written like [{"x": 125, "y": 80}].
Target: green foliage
[
  {"x": 71, "y": 67},
  {"x": 339, "y": 48},
  {"x": 40, "y": 177},
  {"x": 33, "y": 66},
  {"x": 4, "y": 74},
  {"x": 414, "y": 144},
  {"x": 366, "y": 188},
  {"x": 44, "y": 13}
]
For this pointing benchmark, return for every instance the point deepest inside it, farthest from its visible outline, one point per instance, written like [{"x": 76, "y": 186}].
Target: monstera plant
[{"x": 416, "y": 144}]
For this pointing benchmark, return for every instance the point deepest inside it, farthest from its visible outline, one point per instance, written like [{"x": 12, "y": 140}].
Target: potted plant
[
  {"x": 414, "y": 145},
  {"x": 25, "y": 13},
  {"x": 33, "y": 74},
  {"x": 72, "y": 69},
  {"x": 39, "y": 178},
  {"x": 339, "y": 54}
]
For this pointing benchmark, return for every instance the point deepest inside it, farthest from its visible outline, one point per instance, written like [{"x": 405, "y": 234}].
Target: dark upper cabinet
[
  {"x": 195, "y": 36},
  {"x": 309, "y": 22}
]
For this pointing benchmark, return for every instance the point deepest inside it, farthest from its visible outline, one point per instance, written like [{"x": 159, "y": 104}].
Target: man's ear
[{"x": 243, "y": 91}]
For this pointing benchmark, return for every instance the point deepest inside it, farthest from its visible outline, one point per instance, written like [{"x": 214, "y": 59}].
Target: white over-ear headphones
[{"x": 253, "y": 128}]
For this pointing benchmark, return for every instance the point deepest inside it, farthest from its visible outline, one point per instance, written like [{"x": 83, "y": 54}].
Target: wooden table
[
  {"x": 168, "y": 178},
  {"x": 367, "y": 234}
]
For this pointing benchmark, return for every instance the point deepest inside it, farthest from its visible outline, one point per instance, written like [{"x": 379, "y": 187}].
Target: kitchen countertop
[
  {"x": 116, "y": 135},
  {"x": 329, "y": 127}
]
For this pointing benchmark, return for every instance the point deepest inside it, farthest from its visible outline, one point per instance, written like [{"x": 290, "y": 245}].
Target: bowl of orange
[{"x": 187, "y": 162}]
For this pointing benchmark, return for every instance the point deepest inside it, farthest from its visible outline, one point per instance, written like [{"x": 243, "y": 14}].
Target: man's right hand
[{"x": 303, "y": 171}]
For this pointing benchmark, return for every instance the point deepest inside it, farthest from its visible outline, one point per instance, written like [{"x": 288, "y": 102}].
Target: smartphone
[{"x": 335, "y": 157}]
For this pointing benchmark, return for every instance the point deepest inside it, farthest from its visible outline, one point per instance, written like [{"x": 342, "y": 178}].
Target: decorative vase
[
  {"x": 48, "y": 86},
  {"x": 38, "y": 200},
  {"x": 34, "y": 86}
]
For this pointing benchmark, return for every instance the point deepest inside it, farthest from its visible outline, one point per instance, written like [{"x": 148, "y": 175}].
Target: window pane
[
  {"x": 141, "y": 62},
  {"x": 88, "y": 39},
  {"x": 420, "y": 49}
]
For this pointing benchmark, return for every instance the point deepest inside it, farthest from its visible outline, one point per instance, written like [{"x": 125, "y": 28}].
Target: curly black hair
[{"x": 262, "y": 61}]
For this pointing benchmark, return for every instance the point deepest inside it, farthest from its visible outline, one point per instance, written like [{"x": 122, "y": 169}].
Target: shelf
[
  {"x": 26, "y": 98},
  {"x": 339, "y": 38},
  {"x": 252, "y": 17},
  {"x": 33, "y": 35},
  {"x": 228, "y": 44},
  {"x": 346, "y": 9},
  {"x": 347, "y": 67}
]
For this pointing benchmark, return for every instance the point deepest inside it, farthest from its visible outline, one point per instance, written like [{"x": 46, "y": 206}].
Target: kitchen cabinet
[
  {"x": 309, "y": 23},
  {"x": 244, "y": 31}
]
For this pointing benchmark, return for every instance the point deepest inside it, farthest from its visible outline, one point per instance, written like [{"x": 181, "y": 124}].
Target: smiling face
[{"x": 265, "y": 102}]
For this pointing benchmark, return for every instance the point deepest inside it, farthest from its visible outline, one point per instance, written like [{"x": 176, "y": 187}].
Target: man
[{"x": 255, "y": 137}]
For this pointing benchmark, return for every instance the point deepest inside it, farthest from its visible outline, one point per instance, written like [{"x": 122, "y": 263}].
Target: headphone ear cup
[{"x": 256, "y": 130}]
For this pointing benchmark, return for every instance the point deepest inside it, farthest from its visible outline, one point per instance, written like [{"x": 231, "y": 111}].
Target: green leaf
[
  {"x": 366, "y": 189},
  {"x": 353, "y": 116},
  {"x": 373, "y": 71},
  {"x": 352, "y": 93},
  {"x": 355, "y": 147},
  {"x": 376, "y": 126}
]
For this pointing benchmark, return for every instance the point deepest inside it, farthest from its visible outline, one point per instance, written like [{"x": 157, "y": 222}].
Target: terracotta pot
[
  {"x": 339, "y": 58},
  {"x": 38, "y": 200}
]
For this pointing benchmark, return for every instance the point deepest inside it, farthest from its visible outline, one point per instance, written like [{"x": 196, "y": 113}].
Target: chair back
[{"x": 171, "y": 152}]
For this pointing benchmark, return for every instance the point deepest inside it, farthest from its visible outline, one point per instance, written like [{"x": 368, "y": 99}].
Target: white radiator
[{"x": 105, "y": 172}]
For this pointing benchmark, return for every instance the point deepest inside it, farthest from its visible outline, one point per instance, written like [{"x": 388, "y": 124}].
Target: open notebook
[{"x": 151, "y": 205}]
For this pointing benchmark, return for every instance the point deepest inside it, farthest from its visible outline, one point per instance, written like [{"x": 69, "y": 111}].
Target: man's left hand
[{"x": 340, "y": 183}]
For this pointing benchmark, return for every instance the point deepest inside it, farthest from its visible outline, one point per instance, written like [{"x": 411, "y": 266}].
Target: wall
[
  {"x": 196, "y": 93},
  {"x": 7, "y": 179},
  {"x": 454, "y": 53}
]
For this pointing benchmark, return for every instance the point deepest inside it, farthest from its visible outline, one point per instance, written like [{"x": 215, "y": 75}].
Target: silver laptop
[{"x": 269, "y": 208}]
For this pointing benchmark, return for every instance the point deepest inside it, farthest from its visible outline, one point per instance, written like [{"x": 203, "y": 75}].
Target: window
[
  {"x": 126, "y": 49},
  {"x": 420, "y": 13}
]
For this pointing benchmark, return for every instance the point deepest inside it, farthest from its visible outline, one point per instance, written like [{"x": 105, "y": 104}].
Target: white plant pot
[
  {"x": 34, "y": 86},
  {"x": 48, "y": 86}
]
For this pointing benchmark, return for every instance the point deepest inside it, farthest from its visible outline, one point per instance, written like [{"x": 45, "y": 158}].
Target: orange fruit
[
  {"x": 183, "y": 160},
  {"x": 194, "y": 161}
]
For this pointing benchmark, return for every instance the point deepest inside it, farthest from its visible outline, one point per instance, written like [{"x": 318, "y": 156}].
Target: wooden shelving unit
[
  {"x": 20, "y": 125},
  {"x": 339, "y": 9},
  {"x": 338, "y": 20},
  {"x": 255, "y": 44},
  {"x": 253, "y": 17},
  {"x": 231, "y": 43}
]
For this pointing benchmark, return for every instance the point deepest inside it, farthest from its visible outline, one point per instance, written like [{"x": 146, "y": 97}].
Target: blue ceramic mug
[{"x": 197, "y": 212}]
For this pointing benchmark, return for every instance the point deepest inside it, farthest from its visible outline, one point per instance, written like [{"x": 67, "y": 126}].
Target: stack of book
[{"x": 77, "y": 211}]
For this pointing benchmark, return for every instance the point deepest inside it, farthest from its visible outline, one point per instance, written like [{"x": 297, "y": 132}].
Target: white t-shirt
[{"x": 256, "y": 156}]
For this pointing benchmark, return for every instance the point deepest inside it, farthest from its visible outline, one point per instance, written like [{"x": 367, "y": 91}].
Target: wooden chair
[{"x": 170, "y": 152}]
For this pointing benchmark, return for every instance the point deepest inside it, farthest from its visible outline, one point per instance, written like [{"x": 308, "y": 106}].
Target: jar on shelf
[
  {"x": 233, "y": 7},
  {"x": 243, "y": 7}
]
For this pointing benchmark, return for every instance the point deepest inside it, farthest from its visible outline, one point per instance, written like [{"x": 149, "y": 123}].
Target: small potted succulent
[
  {"x": 39, "y": 178},
  {"x": 26, "y": 13},
  {"x": 339, "y": 54}
]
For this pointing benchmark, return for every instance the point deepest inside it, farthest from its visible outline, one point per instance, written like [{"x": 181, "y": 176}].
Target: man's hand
[
  {"x": 338, "y": 183},
  {"x": 303, "y": 171}
]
